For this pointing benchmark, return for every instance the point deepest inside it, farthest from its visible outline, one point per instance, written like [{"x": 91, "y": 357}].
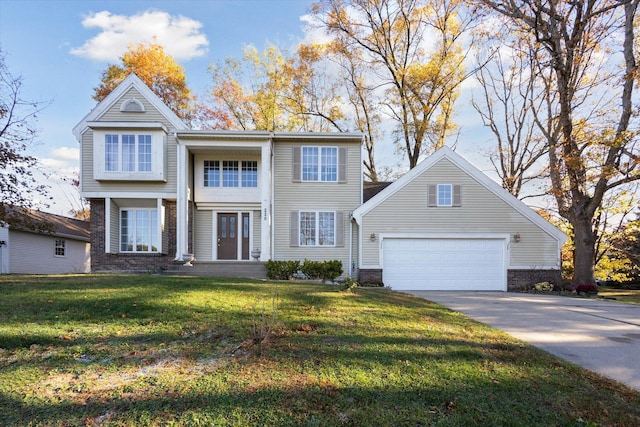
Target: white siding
[{"x": 31, "y": 253}]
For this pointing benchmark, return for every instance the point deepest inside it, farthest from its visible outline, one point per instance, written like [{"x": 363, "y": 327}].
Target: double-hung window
[
  {"x": 127, "y": 153},
  {"x": 60, "y": 248},
  {"x": 231, "y": 173},
  {"x": 139, "y": 230},
  {"x": 317, "y": 228},
  {"x": 445, "y": 194},
  {"x": 320, "y": 164}
]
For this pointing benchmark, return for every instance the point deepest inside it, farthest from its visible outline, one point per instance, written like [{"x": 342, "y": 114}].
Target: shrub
[
  {"x": 373, "y": 284},
  {"x": 281, "y": 270},
  {"x": 543, "y": 287},
  {"x": 348, "y": 284},
  {"x": 586, "y": 289},
  {"x": 325, "y": 270}
]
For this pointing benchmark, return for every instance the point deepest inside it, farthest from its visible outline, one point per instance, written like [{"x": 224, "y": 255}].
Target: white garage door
[{"x": 444, "y": 264}]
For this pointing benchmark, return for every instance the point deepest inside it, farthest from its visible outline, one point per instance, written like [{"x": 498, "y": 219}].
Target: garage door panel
[{"x": 444, "y": 264}]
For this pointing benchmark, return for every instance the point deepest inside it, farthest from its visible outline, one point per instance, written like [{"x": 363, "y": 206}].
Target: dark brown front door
[{"x": 227, "y": 236}]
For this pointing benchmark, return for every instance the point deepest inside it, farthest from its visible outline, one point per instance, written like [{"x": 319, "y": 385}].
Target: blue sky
[{"x": 60, "y": 47}]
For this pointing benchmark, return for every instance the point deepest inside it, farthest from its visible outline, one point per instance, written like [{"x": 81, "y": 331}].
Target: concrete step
[{"x": 249, "y": 269}]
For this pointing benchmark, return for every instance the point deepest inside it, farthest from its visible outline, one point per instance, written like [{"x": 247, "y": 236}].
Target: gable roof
[
  {"x": 474, "y": 173},
  {"x": 370, "y": 189},
  {"x": 132, "y": 81},
  {"x": 45, "y": 223}
]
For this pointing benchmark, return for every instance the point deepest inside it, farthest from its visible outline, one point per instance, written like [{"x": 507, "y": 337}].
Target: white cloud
[{"x": 180, "y": 36}]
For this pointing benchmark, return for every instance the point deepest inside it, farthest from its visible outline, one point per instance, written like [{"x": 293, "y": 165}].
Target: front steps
[{"x": 248, "y": 269}]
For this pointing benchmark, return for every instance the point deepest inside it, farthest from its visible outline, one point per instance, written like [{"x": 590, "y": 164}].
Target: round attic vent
[{"x": 132, "y": 106}]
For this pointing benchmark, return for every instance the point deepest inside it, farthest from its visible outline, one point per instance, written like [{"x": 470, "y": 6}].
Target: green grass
[
  {"x": 628, "y": 296},
  {"x": 158, "y": 350}
]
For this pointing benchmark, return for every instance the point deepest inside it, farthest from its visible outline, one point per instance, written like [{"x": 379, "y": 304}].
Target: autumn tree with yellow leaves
[{"x": 158, "y": 70}]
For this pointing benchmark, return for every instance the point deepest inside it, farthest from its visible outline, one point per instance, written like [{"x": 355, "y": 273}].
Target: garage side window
[{"x": 444, "y": 195}]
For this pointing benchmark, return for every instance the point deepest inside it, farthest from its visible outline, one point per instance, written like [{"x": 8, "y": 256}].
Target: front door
[{"x": 227, "y": 236}]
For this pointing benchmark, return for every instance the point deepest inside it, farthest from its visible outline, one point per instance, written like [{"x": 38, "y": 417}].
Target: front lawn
[
  {"x": 629, "y": 296},
  {"x": 159, "y": 350}
]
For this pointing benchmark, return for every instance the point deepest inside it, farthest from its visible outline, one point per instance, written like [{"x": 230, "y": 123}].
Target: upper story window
[
  {"x": 444, "y": 195},
  {"x": 226, "y": 173},
  {"x": 127, "y": 153},
  {"x": 320, "y": 164},
  {"x": 60, "y": 248}
]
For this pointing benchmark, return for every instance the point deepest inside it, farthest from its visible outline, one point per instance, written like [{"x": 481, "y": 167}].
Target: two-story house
[{"x": 162, "y": 194}]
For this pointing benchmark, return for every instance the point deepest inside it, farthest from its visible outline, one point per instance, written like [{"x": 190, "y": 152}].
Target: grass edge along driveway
[{"x": 162, "y": 350}]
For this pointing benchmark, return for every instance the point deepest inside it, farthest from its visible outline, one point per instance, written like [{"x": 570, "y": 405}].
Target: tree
[
  {"x": 585, "y": 95},
  {"x": 507, "y": 104},
  {"x": 18, "y": 186},
  {"x": 412, "y": 51},
  {"x": 275, "y": 91},
  {"x": 159, "y": 71}
]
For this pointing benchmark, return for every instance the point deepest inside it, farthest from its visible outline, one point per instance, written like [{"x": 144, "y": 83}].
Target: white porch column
[
  {"x": 107, "y": 225},
  {"x": 265, "y": 197},
  {"x": 182, "y": 211}
]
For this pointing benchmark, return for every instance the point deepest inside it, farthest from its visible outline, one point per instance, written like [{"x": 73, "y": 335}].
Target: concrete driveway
[{"x": 598, "y": 335}]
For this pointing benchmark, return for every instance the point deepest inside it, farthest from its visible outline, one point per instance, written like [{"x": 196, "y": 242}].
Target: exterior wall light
[
  {"x": 516, "y": 237},
  {"x": 373, "y": 237}
]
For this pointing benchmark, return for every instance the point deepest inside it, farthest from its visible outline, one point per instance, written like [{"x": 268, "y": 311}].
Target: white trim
[
  {"x": 132, "y": 81},
  {"x": 127, "y": 125},
  {"x": 533, "y": 267},
  {"x": 473, "y": 172},
  {"x": 128, "y": 195}
]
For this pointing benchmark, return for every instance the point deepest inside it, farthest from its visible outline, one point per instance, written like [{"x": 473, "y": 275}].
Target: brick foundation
[
  {"x": 371, "y": 275},
  {"x": 130, "y": 262},
  {"x": 519, "y": 280}
]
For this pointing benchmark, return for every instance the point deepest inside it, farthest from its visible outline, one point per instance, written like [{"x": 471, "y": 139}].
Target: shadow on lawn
[{"x": 509, "y": 402}]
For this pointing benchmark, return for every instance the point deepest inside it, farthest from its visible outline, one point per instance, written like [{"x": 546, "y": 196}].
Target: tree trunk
[{"x": 584, "y": 251}]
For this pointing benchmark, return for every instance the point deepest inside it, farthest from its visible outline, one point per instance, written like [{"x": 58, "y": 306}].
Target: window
[
  {"x": 249, "y": 174},
  {"x": 320, "y": 164},
  {"x": 444, "y": 194},
  {"x": 139, "y": 230},
  {"x": 60, "y": 247},
  {"x": 212, "y": 173},
  {"x": 317, "y": 228},
  {"x": 226, "y": 173},
  {"x": 230, "y": 173},
  {"x": 127, "y": 153}
]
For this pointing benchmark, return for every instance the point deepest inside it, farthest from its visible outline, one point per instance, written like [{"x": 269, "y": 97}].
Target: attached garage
[
  {"x": 445, "y": 225},
  {"x": 444, "y": 264}
]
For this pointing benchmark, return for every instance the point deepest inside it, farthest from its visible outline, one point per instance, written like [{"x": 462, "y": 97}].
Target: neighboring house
[
  {"x": 59, "y": 245},
  {"x": 161, "y": 194}
]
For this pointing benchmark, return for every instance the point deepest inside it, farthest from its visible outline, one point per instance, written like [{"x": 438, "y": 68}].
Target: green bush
[
  {"x": 312, "y": 269},
  {"x": 281, "y": 270},
  {"x": 348, "y": 284}
]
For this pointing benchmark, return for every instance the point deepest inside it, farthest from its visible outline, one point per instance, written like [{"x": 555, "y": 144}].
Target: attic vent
[{"x": 132, "y": 106}]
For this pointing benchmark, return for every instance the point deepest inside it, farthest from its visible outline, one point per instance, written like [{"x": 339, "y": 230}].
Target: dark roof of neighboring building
[
  {"x": 370, "y": 189},
  {"x": 47, "y": 223}
]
